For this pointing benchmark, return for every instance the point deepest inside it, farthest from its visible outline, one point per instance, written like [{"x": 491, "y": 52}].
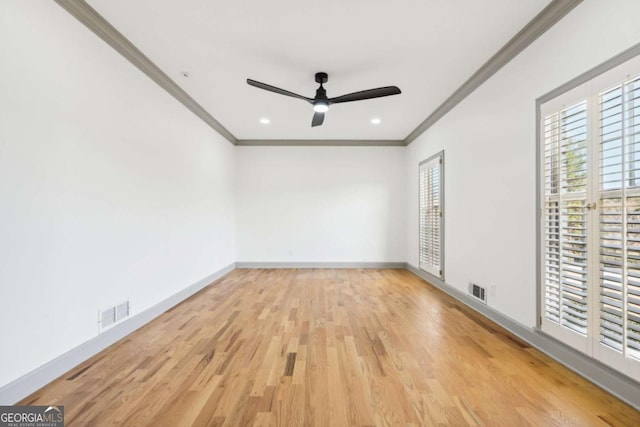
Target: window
[
  {"x": 590, "y": 217},
  {"x": 431, "y": 214}
]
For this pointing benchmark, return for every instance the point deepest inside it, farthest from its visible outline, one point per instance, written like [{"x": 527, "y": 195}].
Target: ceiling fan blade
[
  {"x": 366, "y": 94},
  {"x": 277, "y": 90},
  {"x": 318, "y": 119}
]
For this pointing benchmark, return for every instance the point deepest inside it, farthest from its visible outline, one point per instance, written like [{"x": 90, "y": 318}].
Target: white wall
[
  {"x": 320, "y": 204},
  {"x": 109, "y": 188},
  {"x": 112, "y": 190},
  {"x": 489, "y": 143}
]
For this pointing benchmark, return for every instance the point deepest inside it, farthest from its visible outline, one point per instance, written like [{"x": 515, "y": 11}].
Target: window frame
[
  {"x": 586, "y": 86},
  {"x": 440, "y": 156}
]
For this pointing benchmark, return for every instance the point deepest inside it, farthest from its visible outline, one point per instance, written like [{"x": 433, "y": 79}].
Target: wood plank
[{"x": 326, "y": 347}]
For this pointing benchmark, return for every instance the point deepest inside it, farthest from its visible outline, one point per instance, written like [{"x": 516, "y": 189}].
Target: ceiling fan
[{"x": 321, "y": 102}]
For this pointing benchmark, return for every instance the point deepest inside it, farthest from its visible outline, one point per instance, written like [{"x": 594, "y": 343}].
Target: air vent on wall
[
  {"x": 478, "y": 292},
  {"x": 122, "y": 311},
  {"x": 112, "y": 316}
]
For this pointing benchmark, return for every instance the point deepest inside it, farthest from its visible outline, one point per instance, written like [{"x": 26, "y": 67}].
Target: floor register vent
[
  {"x": 478, "y": 292},
  {"x": 111, "y": 316}
]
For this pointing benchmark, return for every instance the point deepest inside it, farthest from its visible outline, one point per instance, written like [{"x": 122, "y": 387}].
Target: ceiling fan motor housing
[{"x": 321, "y": 93}]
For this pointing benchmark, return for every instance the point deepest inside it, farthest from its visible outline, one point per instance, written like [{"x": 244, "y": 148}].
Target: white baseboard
[
  {"x": 34, "y": 380},
  {"x": 321, "y": 265},
  {"x": 609, "y": 379}
]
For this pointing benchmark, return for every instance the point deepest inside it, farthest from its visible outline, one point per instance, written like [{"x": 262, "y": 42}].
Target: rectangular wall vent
[
  {"x": 122, "y": 311},
  {"x": 478, "y": 292},
  {"x": 107, "y": 318},
  {"x": 112, "y": 316}
]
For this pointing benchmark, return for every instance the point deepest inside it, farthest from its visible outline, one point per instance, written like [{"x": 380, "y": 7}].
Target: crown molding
[
  {"x": 544, "y": 20},
  {"x": 88, "y": 16},
  {"x": 548, "y": 17},
  {"x": 320, "y": 143}
]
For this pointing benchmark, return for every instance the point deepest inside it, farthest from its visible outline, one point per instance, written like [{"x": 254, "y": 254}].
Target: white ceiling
[{"x": 428, "y": 48}]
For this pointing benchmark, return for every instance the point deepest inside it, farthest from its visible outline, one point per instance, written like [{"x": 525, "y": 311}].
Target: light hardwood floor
[{"x": 326, "y": 348}]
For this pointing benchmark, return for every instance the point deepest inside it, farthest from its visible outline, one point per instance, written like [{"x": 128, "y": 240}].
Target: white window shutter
[
  {"x": 431, "y": 215},
  {"x": 619, "y": 135},
  {"x": 565, "y": 218},
  {"x": 590, "y": 220}
]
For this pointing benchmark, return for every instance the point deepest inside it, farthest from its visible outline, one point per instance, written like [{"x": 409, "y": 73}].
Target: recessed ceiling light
[
  {"x": 376, "y": 121},
  {"x": 185, "y": 74},
  {"x": 265, "y": 121}
]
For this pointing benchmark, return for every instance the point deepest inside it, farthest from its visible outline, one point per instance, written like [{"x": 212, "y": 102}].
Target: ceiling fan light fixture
[
  {"x": 320, "y": 107},
  {"x": 321, "y": 102}
]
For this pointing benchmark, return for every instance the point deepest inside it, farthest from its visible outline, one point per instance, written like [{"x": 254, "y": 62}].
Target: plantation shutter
[
  {"x": 590, "y": 217},
  {"x": 619, "y": 132},
  {"x": 565, "y": 221},
  {"x": 431, "y": 215}
]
